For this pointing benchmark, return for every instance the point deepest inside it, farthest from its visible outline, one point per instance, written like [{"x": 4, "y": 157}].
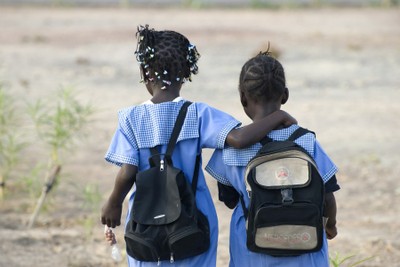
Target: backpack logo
[
  {"x": 282, "y": 173},
  {"x": 293, "y": 238}
]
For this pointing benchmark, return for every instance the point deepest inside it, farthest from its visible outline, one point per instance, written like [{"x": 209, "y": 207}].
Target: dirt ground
[{"x": 342, "y": 69}]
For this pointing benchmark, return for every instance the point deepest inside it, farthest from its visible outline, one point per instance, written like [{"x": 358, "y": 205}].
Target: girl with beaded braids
[
  {"x": 167, "y": 60},
  {"x": 262, "y": 91}
]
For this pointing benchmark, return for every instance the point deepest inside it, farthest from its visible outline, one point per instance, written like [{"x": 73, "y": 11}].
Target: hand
[
  {"x": 288, "y": 120},
  {"x": 109, "y": 236},
  {"x": 331, "y": 231},
  {"x": 111, "y": 214}
]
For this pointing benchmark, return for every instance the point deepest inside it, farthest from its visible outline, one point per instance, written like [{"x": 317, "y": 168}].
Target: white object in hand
[{"x": 115, "y": 252}]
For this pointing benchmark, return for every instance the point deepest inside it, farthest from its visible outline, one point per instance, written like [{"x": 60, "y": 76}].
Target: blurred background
[
  {"x": 206, "y": 3},
  {"x": 67, "y": 67}
]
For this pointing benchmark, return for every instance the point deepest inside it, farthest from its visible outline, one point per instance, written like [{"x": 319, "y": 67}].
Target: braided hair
[
  {"x": 262, "y": 78},
  {"x": 165, "y": 56}
]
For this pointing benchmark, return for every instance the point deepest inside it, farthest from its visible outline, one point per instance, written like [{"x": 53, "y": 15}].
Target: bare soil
[{"x": 342, "y": 69}]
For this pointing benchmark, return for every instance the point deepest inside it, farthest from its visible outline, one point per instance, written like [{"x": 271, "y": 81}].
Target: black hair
[
  {"x": 262, "y": 77},
  {"x": 165, "y": 56}
]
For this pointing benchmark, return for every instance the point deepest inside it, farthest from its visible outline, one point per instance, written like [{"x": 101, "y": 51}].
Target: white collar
[{"x": 149, "y": 102}]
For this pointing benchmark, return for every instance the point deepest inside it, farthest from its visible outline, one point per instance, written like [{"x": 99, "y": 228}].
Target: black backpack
[
  {"x": 165, "y": 223},
  {"x": 286, "y": 199}
]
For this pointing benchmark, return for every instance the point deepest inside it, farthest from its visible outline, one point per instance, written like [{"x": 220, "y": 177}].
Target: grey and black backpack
[{"x": 286, "y": 199}]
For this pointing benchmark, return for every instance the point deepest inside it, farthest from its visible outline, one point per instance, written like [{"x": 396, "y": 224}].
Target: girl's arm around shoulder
[
  {"x": 254, "y": 132},
  {"x": 112, "y": 209}
]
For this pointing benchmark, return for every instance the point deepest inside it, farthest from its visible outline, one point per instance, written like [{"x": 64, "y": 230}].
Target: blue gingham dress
[
  {"x": 228, "y": 167},
  {"x": 148, "y": 125}
]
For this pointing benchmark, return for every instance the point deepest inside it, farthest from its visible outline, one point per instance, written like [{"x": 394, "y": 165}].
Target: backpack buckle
[
  {"x": 249, "y": 193},
  {"x": 287, "y": 196}
]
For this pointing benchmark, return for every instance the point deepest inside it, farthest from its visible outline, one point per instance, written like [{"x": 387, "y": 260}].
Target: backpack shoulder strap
[
  {"x": 177, "y": 129},
  {"x": 196, "y": 175},
  {"x": 266, "y": 140},
  {"x": 174, "y": 137},
  {"x": 155, "y": 156},
  {"x": 245, "y": 210},
  {"x": 298, "y": 133}
]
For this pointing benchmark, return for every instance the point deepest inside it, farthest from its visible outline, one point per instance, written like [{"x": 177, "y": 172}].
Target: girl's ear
[
  {"x": 243, "y": 99},
  {"x": 285, "y": 96}
]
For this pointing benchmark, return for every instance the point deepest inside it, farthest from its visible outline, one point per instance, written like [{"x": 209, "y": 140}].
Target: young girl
[
  {"x": 167, "y": 60},
  {"x": 262, "y": 92}
]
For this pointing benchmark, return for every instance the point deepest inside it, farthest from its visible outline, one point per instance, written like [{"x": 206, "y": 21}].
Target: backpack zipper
[
  {"x": 188, "y": 231},
  {"x": 152, "y": 248},
  {"x": 161, "y": 165}
]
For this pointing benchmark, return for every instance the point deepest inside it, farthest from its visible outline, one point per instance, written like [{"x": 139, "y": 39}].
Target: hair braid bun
[{"x": 165, "y": 56}]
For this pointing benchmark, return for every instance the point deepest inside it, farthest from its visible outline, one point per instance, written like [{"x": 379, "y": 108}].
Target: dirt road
[{"x": 342, "y": 69}]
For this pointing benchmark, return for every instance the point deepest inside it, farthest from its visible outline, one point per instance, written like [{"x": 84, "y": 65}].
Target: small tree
[
  {"x": 10, "y": 145},
  {"x": 58, "y": 127}
]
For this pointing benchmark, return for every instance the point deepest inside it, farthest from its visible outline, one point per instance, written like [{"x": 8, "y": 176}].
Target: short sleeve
[
  {"x": 326, "y": 167},
  {"x": 215, "y": 126},
  {"x": 216, "y": 167},
  {"x": 122, "y": 148},
  {"x": 332, "y": 185}
]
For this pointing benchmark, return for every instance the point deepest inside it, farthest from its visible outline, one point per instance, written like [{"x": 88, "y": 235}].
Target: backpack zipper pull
[
  {"x": 161, "y": 165},
  {"x": 171, "y": 259}
]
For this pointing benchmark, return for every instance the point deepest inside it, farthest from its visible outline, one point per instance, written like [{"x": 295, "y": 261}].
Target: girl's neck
[
  {"x": 264, "y": 110},
  {"x": 166, "y": 95}
]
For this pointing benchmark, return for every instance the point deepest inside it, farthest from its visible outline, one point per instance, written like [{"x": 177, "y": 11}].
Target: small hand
[
  {"x": 288, "y": 119},
  {"x": 331, "y": 231},
  {"x": 111, "y": 215},
  {"x": 109, "y": 235}
]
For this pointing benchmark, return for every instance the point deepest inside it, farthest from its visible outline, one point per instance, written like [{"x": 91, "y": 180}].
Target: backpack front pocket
[
  {"x": 188, "y": 242},
  {"x": 140, "y": 248},
  {"x": 293, "y": 228}
]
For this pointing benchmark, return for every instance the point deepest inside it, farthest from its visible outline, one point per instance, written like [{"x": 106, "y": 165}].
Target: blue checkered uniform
[
  {"x": 228, "y": 167},
  {"x": 148, "y": 125}
]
